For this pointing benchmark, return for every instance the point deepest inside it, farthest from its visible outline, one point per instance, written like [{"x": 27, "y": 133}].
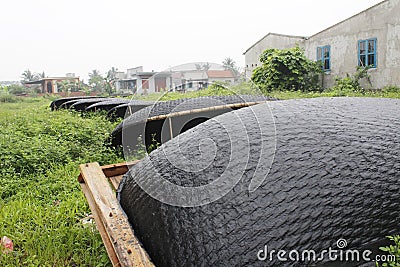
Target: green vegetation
[
  {"x": 251, "y": 89},
  {"x": 41, "y": 204},
  {"x": 214, "y": 89},
  {"x": 287, "y": 69},
  {"x": 393, "y": 250},
  {"x": 5, "y": 97},
  {"x": 338, "y": 92},
  {"x": 105, "y": 84},
  {"x": 29, "y": 76}
]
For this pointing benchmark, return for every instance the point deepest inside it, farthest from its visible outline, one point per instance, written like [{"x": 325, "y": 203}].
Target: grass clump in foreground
[{"x": 41, "y": 202}]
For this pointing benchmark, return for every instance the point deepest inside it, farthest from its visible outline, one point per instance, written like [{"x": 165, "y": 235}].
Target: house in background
[
  {"x": 137, "y": 81},
  {"x": 225, "y": 76},
  {"x": 49, "y": 84},
  {"x": 369, "y": 38},
  {"x": 189, "y": 80}
]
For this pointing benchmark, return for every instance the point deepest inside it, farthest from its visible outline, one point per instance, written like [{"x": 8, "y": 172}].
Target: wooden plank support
[{"x": 122, "y": 246}]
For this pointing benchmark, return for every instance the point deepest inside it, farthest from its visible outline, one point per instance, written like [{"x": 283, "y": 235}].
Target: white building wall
[
  {"x": 382, "y": 22},
  {"x": 152, "y": 85},
  {"x": 271, "y": 40}
]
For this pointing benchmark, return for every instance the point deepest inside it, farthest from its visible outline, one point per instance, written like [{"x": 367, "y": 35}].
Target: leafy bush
[
  {"x": 344, "y": 87},
  {"x": 393, "y": 250},
  {"x": 7, "y": 98},
  {"x": 16, "y": 89},
  {"x": 287, "y": 69},
  {"x": 350, "y": 84}
]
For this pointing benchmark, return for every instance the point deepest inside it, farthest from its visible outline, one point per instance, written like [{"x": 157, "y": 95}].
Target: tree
[
  {"x": 96, "y": 80},
  {"x": 287, "y": 69},
  {"x": 66, "y": 86},
  {"x": 230, "y": 64},
  {"x": 206, "y": 66},
  {"x": 41, "y": 75},
  {"x": 110, "y": 79},
  {"x": 28, "y": 76}
]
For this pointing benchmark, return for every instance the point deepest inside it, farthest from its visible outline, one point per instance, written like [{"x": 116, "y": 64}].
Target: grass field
[{"x": 41, "y": 203}]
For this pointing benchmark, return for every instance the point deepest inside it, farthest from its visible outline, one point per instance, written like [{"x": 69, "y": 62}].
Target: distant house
[
  {"x": 49, "y": 84},
  {"x": 369, "y": 38},
  {"x": 192, "y": 80},
  {"x": 136, "y": 81},
  {"x": 226, "y": 76}
]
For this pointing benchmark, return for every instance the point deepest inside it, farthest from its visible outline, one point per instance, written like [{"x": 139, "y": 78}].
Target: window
[
  {"x": 324, "y": 55},
  {"x": 145, "y": 84},
  {"x": 367, "y": 53}
]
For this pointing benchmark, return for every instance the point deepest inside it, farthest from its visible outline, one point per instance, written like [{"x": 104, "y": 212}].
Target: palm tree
[
  {"x": 229, "y": 64},
  {"x": 28, "y": 76}
]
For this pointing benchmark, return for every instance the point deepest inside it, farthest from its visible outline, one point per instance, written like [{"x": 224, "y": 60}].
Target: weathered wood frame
[{"x": 99, "y": 183}]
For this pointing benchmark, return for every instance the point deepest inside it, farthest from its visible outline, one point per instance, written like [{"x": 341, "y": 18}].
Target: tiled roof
[{"x": 220, "y": 74}]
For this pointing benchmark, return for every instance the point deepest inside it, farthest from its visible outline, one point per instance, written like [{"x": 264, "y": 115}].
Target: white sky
[{"x": 61, "y": 36}]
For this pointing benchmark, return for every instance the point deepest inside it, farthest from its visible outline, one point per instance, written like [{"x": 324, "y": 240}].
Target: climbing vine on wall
[{"x": 287, "y": 69}]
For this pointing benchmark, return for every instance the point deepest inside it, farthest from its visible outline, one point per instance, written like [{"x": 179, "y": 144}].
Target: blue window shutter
[
  {"x": 324, "y": 56},
  {"x": 367, "y": 53}
]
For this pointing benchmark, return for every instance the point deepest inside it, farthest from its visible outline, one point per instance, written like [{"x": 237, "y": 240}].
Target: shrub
[
  {"x": 7, "y": 98},
  {"x": 344, "y": 87},
  {"x": 350, "y": 84},
  {"x": 393, "y": 250},
  {"x": 287, "y": 69},
  {"x": 16, "y": 89}
]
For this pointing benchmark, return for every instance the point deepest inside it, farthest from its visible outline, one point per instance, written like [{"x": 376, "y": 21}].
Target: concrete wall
[
  {"x": 382, "y": 22},
  {"x": 272, "y": 40},
  {"x": 133, "y": 71}
]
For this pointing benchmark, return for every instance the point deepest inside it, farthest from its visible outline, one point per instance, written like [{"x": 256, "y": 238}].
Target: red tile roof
[{"x": 220, "y": 74}]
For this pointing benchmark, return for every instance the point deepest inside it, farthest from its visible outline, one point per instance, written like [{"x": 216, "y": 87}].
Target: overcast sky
[{"x": 61, "y": 36}]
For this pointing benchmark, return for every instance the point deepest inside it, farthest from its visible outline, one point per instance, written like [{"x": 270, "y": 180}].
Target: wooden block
[
  {"x": 95, "y": 212},
  {"x": 116, "y": 232},
  {"x": 115, "y": 181}
]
